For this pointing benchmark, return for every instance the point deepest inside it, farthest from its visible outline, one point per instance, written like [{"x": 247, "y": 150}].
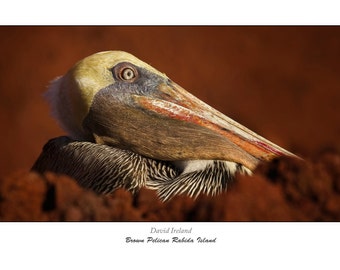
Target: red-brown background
[{"x": 282, "y": 82}]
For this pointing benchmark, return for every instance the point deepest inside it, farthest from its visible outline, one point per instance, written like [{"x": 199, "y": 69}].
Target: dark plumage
[{"x": 104, "y": 169}]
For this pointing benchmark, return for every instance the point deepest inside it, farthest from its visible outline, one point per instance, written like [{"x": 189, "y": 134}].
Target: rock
[{"x": 283, "y": 190}]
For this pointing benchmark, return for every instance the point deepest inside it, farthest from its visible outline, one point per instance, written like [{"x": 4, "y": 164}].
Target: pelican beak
[{"x": 220, "y": 137}]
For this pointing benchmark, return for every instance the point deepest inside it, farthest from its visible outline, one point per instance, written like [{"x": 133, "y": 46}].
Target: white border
[
  {"x": 176, "y": 12},
  {"x": 103, "y": 246}
]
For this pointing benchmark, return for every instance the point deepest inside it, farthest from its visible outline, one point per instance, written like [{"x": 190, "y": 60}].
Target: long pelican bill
[
  {"x": 158, "y": 119},
  {"x": 228, "y": 140}
]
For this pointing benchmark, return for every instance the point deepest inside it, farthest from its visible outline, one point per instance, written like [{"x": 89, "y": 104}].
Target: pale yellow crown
[{"x": 71, "y": 95}]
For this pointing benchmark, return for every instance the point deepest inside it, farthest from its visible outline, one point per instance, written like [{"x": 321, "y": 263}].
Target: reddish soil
[
  {"x": 281, "y": 82},
  {"x": 283, "y": 190}
]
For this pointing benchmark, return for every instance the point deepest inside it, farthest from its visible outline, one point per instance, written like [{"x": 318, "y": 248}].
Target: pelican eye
[{"x": 126, "y": 72}]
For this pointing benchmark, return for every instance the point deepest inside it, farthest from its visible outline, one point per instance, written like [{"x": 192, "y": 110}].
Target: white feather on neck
[
  {"x": 61, "y": 109},
  {"x": 188, "y": 166}
]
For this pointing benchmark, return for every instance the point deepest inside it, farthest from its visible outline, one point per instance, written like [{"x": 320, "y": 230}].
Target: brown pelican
[{"x": 130, "y": 126}]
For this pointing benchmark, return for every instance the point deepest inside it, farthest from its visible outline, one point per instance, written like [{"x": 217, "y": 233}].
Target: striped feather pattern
[
  {"x": 210, "y": 180},
  {"x": 104, "y": 169}
]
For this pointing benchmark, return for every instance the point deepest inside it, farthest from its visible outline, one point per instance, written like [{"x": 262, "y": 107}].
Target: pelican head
[{"x": 115, "y": 99}]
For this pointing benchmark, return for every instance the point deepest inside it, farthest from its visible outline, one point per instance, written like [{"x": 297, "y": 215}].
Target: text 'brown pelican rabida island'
[{"x": 129, "y": 126}]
